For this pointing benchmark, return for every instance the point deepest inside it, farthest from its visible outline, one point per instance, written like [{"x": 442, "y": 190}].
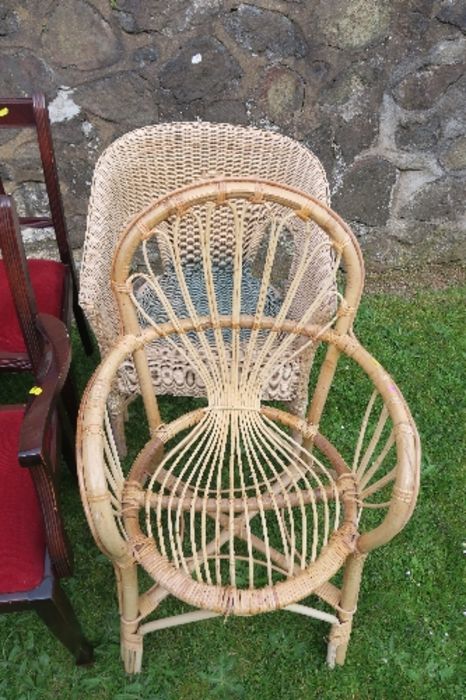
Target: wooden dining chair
[
  {"x": 55, "y": 283},
  {"x": 34, "y": 550},
  {"x": 27, "y": 288}
]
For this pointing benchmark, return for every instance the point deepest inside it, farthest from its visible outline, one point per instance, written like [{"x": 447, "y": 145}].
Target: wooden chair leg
[
  {"x": 83, "y": 328},
  {"x": 117, "y": 421},
  {"x": 68, "y": 413},
  {"x": 59, "y": 616},
  {"x": 68, "y": 439},
  {"x": 340, "y": 634},
  {"x": 71, "y": 400}
]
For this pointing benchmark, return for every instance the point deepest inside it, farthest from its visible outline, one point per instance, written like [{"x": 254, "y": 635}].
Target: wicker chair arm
[
  {"x": 403, "y": 498},
  {"x": 407, "y": 445},
  {"x": 95, "y": 492}
]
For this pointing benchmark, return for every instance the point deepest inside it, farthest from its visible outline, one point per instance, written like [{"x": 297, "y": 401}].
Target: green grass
[{"x": 408, "y": 640}]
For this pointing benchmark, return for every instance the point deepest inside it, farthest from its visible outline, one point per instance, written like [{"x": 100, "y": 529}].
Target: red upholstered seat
[
  {"x": 22, "y": 535},
  {"x": 47, "y": 278}
]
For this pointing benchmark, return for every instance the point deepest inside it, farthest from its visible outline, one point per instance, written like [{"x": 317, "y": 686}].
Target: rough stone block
[
  {"x": 365, "y": 192},
  {"x": 9, "y": 21},
  {"x": 120, "y": 97},
  {"x": 353, "y": 24},
  {"x": 422, "y": 134},
  {"x": 202, "y": 69},
  {"x": 441, "y": 200},
  {"x": 453, "y": 12},
  {"x": 22, "y": 72},
  {"x": 453, "y": 156},
  {"x": 263, "y": 31},
  {"x": 283, "y": 94},
  {"x": 31, "y": 199},
  {"x": 422, "y": 89},
  {"x": 77, "y": 36}
]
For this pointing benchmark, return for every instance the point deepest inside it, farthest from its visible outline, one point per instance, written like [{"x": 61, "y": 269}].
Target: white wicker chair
[{"x": 146, "y": 164}]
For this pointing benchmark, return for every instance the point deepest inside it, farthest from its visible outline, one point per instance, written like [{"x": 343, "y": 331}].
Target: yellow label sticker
[
  {"x": 4, "y": 111},
  {"x": 35, "y": 391}
]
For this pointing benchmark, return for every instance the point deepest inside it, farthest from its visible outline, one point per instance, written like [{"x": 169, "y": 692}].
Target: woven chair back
[
  {"x": 278, "y": 264},
  {"x": 147, "y": 163}
]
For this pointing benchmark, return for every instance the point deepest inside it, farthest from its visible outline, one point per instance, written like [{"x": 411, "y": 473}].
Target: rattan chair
[
  {"x": 150, "y": 162},
  {"x": 239, "y": 507}
]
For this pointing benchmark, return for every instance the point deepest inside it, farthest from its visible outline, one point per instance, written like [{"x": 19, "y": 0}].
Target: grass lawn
[{"x": 409, "y": 634}]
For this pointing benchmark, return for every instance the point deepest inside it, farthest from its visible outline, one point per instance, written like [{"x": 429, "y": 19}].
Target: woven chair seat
[
  {"x": 195, "y": 281},
  {"x": 306, "y": 515},
  {"x": 173, "y": 374}
]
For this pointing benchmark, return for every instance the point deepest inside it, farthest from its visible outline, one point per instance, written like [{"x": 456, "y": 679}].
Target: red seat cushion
[
  {"x": 47, "y": 279},
  {"x": 22, "y": 535}
]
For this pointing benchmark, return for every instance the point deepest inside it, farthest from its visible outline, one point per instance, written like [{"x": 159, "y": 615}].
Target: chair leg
[
  {"x": 68, "y": 441},
  {"x": 83, "y": 329},
  {"x": 68, "y": 414},
  {"x": 340, "y": 634},
  {"x": 59, "y": 616},
  {"x": 117, "y": 421},
  {"x": 71, "y": 399},
  {"x": 128, "y": 598}
]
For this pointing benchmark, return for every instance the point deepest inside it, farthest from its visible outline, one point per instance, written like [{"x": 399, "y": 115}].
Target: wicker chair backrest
[
  {"x": 235, "y": 364},
  {"x": 147, "y": 163}
]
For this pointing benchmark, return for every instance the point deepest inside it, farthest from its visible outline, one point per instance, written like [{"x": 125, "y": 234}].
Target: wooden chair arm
[
  {"x": 52, "y": 375},
  {"x": 34, "y": 445}
]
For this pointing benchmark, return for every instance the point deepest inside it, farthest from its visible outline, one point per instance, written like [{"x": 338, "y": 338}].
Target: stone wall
[{"x": 375, "y": 87}]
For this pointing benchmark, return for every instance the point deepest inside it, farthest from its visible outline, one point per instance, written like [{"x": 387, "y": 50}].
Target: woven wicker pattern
[
  {"x": 150, "y": 162},
  {"x": 238, "y": 507},
  {"x": 169, "y": 369}
]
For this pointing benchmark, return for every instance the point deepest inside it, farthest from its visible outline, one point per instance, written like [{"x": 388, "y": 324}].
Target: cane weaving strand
[{"x": 242, "y": 471}]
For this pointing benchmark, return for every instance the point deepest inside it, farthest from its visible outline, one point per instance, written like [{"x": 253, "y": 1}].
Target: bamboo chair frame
[{"x": 140, "y": 519}]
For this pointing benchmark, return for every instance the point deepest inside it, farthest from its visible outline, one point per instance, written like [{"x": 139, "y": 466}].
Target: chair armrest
[
  {"x": 51, "y": 377},
  {"x": 406, "y": 473},
  {"x": 33, "y": 447},
  {"x": 405, "y": 490}
]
